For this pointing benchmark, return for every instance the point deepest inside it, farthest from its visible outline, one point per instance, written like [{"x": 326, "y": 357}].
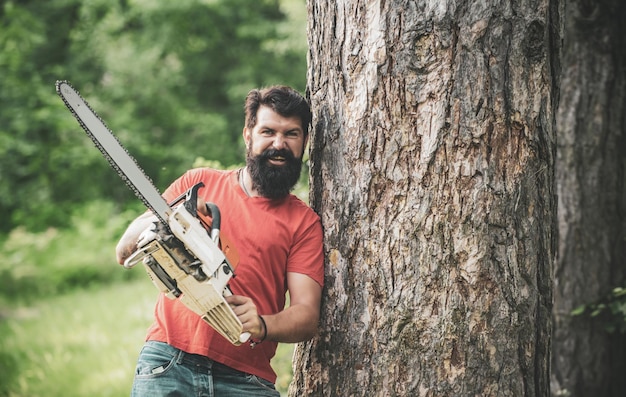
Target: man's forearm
[{"x": 297, "y": 323}]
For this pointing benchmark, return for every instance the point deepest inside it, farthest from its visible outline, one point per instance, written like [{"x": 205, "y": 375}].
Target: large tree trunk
[
  {"x": 432, "y": 163},
  {"x": 587, "y": 361}
]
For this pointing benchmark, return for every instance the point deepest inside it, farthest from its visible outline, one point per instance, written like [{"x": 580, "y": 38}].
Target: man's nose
[{"x": 279, "y": 142}]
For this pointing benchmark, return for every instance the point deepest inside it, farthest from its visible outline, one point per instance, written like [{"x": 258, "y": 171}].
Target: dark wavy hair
[{"x": 283, "y": 100}]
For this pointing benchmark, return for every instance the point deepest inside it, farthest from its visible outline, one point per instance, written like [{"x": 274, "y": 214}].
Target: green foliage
[
  {"x": 39, "y": 264},
  {"x": 169, "y": 78},
  {"x": 610, "y": 311}
]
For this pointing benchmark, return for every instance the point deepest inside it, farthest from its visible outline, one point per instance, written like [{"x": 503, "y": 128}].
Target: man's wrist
[
  {"x": 254, "y": 342},
  {"x": 264, "y": 329}
]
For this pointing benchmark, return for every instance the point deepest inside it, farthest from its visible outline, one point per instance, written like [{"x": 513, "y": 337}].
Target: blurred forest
[{"x": 168, "y": 78}]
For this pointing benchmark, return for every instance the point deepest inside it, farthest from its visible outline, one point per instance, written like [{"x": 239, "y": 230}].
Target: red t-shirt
[{"x": 272, "y": 237}]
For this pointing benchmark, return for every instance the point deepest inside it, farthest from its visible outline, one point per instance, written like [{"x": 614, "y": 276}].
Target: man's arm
[{"x": 296, "y": 323}]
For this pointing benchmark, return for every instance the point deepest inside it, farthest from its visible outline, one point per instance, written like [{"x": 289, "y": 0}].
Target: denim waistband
[{"x": 197, "y": 360}]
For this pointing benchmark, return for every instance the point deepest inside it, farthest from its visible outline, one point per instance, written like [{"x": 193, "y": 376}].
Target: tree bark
[
  {"x": 588, "y": 361},
  {"x": 432, "y": 167}
]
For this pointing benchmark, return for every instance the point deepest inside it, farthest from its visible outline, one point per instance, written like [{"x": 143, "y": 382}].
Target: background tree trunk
[
  {"x": 432, "y": 167},
  {"x": 586, "y": 360}
]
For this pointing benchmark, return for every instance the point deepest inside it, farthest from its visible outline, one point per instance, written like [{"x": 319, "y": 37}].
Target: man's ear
[
  {"x": 246, "y": 136},
  {"x": 304, "y": 146}
]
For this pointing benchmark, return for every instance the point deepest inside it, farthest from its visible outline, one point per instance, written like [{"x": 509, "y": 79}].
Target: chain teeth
[{"x": 106, "y": 155}]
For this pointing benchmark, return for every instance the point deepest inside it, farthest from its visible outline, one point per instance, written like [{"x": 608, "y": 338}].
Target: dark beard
[{"x": 270, "y": 181}]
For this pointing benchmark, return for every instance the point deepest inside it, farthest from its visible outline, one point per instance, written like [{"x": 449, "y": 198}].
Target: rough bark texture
[
  {"x": 591, "y": 127},
  {"x": 432, "y": 167}
]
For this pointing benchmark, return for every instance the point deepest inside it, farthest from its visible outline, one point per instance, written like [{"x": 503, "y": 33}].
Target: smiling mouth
[{"x": 277, "y": 159}]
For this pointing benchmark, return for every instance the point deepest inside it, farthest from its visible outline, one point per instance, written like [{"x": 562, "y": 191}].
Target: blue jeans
[{"x": 163, "y": 370}]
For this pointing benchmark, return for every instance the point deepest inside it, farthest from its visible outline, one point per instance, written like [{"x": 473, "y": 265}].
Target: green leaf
[{"x": 578, "y": 311}]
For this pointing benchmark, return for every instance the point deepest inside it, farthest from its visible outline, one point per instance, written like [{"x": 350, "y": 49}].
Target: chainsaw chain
[{"x": 106, "y": 155}]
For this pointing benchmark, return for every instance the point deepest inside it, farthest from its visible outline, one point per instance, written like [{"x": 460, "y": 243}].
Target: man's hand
[
  {"x": 294, "y": 324},
  {"x": 247, "y": 313},
  {"x": 128, "y": 242}
]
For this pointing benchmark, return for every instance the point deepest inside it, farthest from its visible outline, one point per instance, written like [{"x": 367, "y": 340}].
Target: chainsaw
[{"x": 183, "y": 255}]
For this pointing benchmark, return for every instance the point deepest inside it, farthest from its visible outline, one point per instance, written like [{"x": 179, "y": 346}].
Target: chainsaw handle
[
  {"x": 216, "y": 220},
  {"x": 191, "y": 199}
]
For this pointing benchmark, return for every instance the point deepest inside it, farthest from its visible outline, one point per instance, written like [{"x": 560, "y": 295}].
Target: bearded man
[{"x": 279, "y": 242}]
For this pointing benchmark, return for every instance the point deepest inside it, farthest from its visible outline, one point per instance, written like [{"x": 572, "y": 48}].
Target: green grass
[{"x": 84, "y": 343}]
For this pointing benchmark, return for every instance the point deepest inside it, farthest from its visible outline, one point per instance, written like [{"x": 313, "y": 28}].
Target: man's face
[{"x": 274, "y": 152}]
